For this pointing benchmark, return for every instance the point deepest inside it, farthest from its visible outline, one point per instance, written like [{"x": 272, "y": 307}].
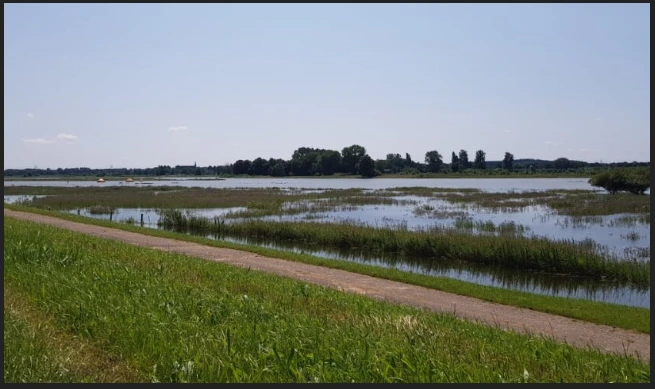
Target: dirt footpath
[{"x": 573, "y": 332}]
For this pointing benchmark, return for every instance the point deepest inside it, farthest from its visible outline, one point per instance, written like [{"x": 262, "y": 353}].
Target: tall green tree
[
  {"x": 350, "y": 156},
  {"x": 241, "y": 167},
  {"x": 508, "y": 161},
  {"x": 328, "y": 162},
  {"x": 395, "y": 162},
  {"x": 366, "y": 166},
  {"x": 303, "y": 161},
  {"x": 480, "y": 160},
  {"x": 454, "y": 162},
  {"x": 277, "y": 170},
  {"x": 259, "y": 167},
  {"x": 408, "y": 160},
  {"x": 434, "y": 161},
  {"x": 562, "y": 163},
  {"x": 464, "y": 162}
]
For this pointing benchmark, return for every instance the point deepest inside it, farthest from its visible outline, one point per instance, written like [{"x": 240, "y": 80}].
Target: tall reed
[{"x": 511, "y": 251}]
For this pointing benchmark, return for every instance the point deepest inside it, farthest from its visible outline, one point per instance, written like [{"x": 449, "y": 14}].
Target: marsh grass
[
  {"x": 428, "y": 192},
  {"x": 510, "y": 251},
  {"x": 629, "y": 220},
  {"x": 637, "y": 253},
  {"x": 101, "y": 210},
  {"x": 182, "y": 319},
  {"x": 571, "y": 203},
  {"x": 267, "y": 201},
  {"x": 130, "y": 220},
  {"x": 153, "y": 197},
  {"x": 632, "y": 235},
  {"x": 432, "y": 212},
  {"x": 591, "y": 204},
  {"x": 597, "y": 312}
]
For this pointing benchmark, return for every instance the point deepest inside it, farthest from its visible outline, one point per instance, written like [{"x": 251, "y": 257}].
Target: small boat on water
[
  {"x": 101, "y": 180},
  {"x": 129, "y": 180}
]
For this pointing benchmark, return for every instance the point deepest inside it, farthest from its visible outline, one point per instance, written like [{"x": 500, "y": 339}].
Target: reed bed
[
  {"x": 266, "y": 201},
  {"x": 176, "y": 319},
  {"x": 571, "y": 203},
  {"x": 632, "y": 235},
  {"x": 101, "y": 210},
  {"x": 259, "y": 201},
  {"x": 601, "y": 204},
  {"x": 157, "y": 197},
  {"x": 428, "y": 192},
  {"x": 510, "y": 251},
  {"x": 432, "y": 212}
]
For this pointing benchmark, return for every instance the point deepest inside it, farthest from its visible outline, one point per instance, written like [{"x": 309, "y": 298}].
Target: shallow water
[
  {"x": 630, "y": 295},
  {"x": 483, "y": 275},
  {"x": 616, "y": 236},
  {"x": 484, "y": 184}
]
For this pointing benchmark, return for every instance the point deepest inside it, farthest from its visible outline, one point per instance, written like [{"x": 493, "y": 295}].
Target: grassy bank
[
  {"x": 596, "y": 312},
  {"x": 174, "y": 318}
]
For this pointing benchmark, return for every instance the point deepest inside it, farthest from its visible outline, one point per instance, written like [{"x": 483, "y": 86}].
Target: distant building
[{"x": 186, "y": 167}]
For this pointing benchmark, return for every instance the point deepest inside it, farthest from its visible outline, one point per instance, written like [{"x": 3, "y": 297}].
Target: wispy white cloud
[
  {"x": 178, "y": 128},
  {"x": 67, "y": 137},
  {"x": 61, "y": 137},
  {"x": 30, "y": 115},
  {"x": 38, "y": 140}
]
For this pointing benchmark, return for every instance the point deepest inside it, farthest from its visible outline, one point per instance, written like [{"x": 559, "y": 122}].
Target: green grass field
[{"x": 153, "y": 316}]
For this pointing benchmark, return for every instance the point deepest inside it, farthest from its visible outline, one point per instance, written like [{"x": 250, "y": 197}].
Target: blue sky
[{"x": 141, "y": 85}]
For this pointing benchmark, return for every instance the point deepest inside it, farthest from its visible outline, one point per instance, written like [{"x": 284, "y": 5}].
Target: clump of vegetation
[
  {"x": 101, "y": 210},
  {"x": 633, "y": 180},
  {"x": 633, "y": 236},
  {"x": 130, "y": 220},
  {"x": 508, "y": 250}
]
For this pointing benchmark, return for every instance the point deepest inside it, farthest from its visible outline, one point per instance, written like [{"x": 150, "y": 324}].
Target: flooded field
[{"x": 623, "y": 236}]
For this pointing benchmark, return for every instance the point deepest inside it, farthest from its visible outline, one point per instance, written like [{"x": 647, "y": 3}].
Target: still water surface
[{"x": 537, "y": 220}]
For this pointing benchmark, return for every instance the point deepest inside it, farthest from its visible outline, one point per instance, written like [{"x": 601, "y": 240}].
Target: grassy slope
[{"x": 174, "y": 318}]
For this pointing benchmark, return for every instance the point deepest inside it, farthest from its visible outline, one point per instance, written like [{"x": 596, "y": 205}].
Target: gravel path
[{"x": 571, "y": 331}]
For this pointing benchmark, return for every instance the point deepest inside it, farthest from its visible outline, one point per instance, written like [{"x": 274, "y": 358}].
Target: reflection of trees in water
[{"x": 564, "y": 285}]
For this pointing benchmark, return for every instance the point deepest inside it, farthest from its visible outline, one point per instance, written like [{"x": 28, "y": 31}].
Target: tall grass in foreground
[
  {"x": 508, "y": 250},
  {"x": 178, "y": 319},
  {"x": 27, "y": 357}
]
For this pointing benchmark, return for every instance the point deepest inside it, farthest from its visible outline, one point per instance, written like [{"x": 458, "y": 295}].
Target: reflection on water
[
  {"x": 14, "y": 199},
  {"x": 551, "y": 285},
  {"x": 150, "y": 216},
  {"x": 483, "y": 275},
  {"x": 613, "y": 235}
]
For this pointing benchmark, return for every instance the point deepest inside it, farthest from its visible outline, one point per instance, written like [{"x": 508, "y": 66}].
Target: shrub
[{"x": 633, "y": 180}]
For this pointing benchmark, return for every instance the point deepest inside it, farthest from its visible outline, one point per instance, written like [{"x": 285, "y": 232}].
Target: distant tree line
[{"x": 352, "y": 160}]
